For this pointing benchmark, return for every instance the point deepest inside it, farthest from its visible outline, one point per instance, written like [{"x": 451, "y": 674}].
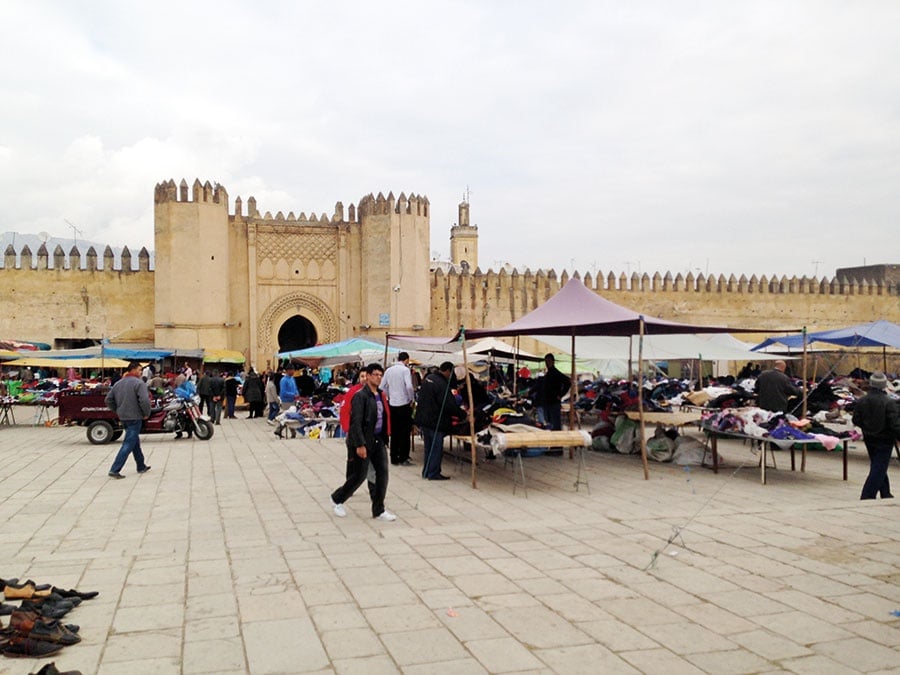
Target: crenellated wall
[
  {"x": 52, "y": 299},
  {"x": 494, "y": 299},
  {"x": 234, "y": 280}
]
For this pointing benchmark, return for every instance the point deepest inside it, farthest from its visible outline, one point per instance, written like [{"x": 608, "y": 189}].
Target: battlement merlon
[
  {"x": 207, "y": 192},
  {"x": 74, "y": 261}
]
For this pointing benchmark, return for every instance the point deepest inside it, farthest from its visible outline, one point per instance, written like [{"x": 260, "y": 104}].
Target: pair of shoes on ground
[
  {"x": 18, "y": 646},
  {"x": 117, "y": 475},
  {"x": 37, "y": 627},
  {"x": 13, "y": 590},
  {"x": 341, "y": 512},
  {"x": 440, "y": 476}
]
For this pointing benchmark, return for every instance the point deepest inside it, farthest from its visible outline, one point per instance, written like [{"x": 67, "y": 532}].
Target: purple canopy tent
[{"x": 577, "y": 310}]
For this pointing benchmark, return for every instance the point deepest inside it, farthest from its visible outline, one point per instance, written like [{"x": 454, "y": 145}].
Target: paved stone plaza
[{"x": 226, "y": 558}]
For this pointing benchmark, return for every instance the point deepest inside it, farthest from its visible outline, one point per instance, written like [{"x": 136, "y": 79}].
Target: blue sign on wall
[{"x": 384, "y": 319}]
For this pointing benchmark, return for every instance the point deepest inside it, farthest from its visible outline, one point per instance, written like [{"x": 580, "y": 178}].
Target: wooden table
[{"x": 714, "y": 436}]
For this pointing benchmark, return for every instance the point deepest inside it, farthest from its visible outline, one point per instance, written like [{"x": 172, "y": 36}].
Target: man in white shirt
[{"x": 397, "y": 384}]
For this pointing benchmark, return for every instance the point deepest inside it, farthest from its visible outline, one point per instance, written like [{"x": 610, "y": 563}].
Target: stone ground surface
[{"x": 226, "y": 558}]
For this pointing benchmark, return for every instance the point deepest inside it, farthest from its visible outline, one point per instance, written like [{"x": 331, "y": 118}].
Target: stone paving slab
[{"x": 226, "y": 558}]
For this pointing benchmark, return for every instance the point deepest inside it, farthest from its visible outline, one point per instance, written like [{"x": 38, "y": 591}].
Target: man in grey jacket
[{"x": 130, "y": 400}]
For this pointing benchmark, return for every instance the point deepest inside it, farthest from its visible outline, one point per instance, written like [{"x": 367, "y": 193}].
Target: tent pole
[
  {"x": 469, "y": 382},
  {"x": 641, "y": 399},
  {"x": 573, "y": 388},
  {"x": 515, "y": 383},
  {"x": 630, "y": 352},
  {"x": 386, "y": 339},
  {"x": 805, "y": 385}
]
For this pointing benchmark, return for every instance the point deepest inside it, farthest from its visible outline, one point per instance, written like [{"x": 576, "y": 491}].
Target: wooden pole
[
  {"x": 630, "y": 352},
  {"x": 471, "y": 405},
  {"x": 573, "y": 389},
  {"x": 805, "y": 386},
  {"x": 641, "y": 399},
  {"x": 515, "y": 382}
]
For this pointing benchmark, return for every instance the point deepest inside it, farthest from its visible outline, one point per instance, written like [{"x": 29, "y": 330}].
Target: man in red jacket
[{"x": 366, "y": 440}]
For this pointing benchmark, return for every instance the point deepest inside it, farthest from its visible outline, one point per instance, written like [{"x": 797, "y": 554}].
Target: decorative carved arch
[{"x": 279, "y": 311}]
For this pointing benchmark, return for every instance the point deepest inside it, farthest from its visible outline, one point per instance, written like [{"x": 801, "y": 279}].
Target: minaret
[{"x": 464, "y": 240}]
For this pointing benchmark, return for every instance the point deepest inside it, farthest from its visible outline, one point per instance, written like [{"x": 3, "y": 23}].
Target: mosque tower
[{"x": 464, "y": 240}]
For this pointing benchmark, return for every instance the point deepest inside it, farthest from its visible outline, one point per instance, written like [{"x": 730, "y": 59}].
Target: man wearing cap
[
  {"x": 397, "y": 384},
  {"x": 773, "y": 388},
  {"x": 130, "y": 400},
  {"x": 878, "y": 417}
]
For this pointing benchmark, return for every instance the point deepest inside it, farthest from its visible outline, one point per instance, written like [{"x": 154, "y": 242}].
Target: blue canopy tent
[
  {"x": 880, "y": 333},
  {"x": 873, "y": 334},
  {"x": 353, "y": 350}
]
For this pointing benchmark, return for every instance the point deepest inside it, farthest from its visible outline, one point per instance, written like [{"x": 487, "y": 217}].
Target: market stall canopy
[
  {"x": 710, "y": 347},
  {"x": 222, "y": 356},
  {"x": 577, "y": 310},
  {"x": 352, "y": 350},
  {"x": 873, "y": 334},
  {"x": 80, "y": 362},
  {"x": 499, "y": 349}
]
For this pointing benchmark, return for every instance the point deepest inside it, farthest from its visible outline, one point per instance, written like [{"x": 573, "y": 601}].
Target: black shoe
[
  {"x": 440, "y": 476},
  {"x": 72, "y": 593},
  {"x": 145, "y": 469},
  {"x": 115, "y": 474},
  {"x": 18, "y": 646},
  {"x": 406, "y": 462}
]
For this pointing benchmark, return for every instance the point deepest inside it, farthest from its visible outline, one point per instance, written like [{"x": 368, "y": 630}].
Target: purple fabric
[{"x": 577, "y": 310}]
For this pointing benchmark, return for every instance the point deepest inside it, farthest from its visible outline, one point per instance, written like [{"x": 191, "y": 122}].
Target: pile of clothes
[
  {"x": 34, "y": 628},
  {"x": 307, "y": 420},
  {"x": 782, "y": 429}
]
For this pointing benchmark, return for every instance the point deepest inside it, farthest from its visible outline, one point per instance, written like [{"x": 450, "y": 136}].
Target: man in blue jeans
[{"x": 130, "y": 400}]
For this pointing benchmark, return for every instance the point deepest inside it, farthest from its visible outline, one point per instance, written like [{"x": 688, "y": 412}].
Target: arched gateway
[{"x": 294, "y": 321}]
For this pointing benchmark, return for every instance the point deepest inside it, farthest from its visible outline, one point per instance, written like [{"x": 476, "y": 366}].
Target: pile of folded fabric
[
  {"x": 35, "y": 627},
  {"x": 781, "y": 429}
]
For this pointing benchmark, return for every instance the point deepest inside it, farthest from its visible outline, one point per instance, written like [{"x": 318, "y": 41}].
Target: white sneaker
[
  {"x": 386, "y": 515},
  {"x": 339, "y": 510}
]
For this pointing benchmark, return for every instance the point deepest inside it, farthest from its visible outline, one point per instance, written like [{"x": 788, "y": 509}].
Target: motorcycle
[
  {"x": 181, "y": 415},
  {"x": 172, "y": 414}
]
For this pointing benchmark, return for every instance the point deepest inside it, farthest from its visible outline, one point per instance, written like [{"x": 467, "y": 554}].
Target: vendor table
[
  {"x": 672, "y": 419},
  {"x": 714, "y": 436},
  {"x": 7, "y": 413}
]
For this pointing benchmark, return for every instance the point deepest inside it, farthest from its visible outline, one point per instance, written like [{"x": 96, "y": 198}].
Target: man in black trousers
[{"x": 366, "y": 440}]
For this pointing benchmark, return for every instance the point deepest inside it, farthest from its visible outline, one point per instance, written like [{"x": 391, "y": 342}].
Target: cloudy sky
[{"x": 720, "y": 137}]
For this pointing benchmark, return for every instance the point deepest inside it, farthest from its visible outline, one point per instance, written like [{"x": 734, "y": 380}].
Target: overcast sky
[{"x": 721, "y": 137}]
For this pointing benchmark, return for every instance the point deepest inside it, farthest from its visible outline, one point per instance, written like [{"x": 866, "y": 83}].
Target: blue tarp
[
  {"x": 872, "y": 334},
  {"x": 137, "y": 354}
]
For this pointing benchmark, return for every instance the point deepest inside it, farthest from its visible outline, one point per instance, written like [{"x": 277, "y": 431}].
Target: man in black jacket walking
[
  {"x": 366, "y": 440},
  {"x": 435, "y": 407},
  {"x": 878, "y": 417}
]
